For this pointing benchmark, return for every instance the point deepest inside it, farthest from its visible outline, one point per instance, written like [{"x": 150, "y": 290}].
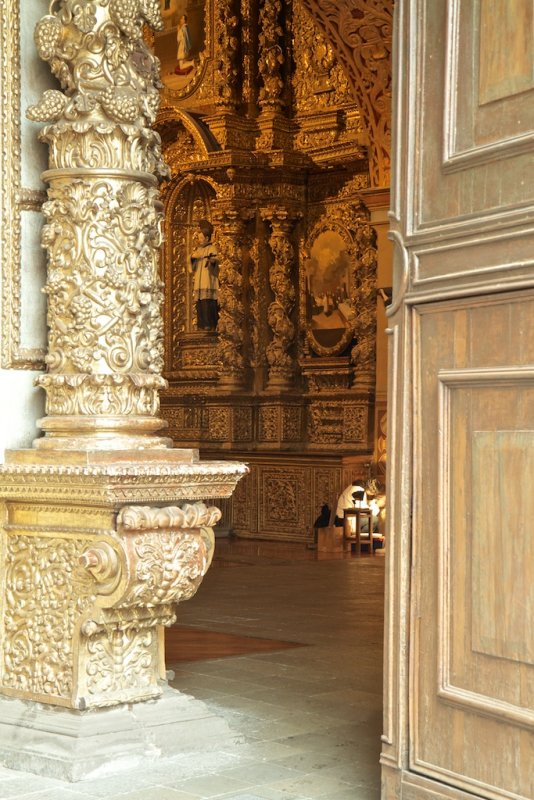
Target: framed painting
[
  {"x": 329, "y": 267},
  {"x": 182, "y": 45}
]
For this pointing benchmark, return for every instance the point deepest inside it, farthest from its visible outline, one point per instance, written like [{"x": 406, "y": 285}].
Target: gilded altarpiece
[{"x": 276, "y": 160}]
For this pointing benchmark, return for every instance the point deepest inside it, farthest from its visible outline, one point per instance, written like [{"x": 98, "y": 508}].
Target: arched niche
[{"x": 188, "y": 200}]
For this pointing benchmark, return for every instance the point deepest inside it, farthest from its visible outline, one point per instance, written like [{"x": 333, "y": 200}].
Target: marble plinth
[{"x": 73, "y": 745}]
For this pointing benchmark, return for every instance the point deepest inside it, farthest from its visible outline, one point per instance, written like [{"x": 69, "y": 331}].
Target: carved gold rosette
[{"x": 103, "y": 226}]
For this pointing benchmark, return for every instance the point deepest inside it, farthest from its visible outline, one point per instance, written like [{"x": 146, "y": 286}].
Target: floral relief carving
[
  {"x": 45, "y": 594},
  {"x": 281, "y": 494},
  {"x": 281, "y": 279},
  {"x": 318, "y": 80},
  {"x": 291, "y": 424},
  {"x": 355, "y": 423},
  {"x": 104, "y": 298},
  {"x": 243, "y": 424},
  {"x": 363, "y": 354},
  {"x": 363, "y": 30},
  {"x": 269, "y": 417},
  {"x": 103, "y": 217},
  {"x": 219, "y": 424}
]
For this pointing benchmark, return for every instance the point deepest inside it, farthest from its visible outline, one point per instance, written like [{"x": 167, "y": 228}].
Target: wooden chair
[{"x": 352, "y": 529}]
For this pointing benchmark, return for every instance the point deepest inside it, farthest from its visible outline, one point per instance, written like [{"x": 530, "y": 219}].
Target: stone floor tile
[
  {"x": 158, "y": 793},
  {"x": 313, "y": 784},
  {"x": 357, "y": 793},
  {"x": 57, "y": 793},
  {"x": 268, "y": 793},
  {"x": 27, "y": 784},
  {"x": 215, "y": 785},
  {"x": 258, "y": 773},
  {"x": 302, "y": 712}
]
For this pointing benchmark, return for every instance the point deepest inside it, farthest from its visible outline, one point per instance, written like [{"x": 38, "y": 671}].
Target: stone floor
[{"x": 310, "y": 717}]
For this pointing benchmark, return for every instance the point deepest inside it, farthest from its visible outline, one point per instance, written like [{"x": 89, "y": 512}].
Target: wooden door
[{"x": 459, "y": 677}]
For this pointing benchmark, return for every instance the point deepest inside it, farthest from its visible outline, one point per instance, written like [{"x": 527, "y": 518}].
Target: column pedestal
[{"x": 74, "y": 745}]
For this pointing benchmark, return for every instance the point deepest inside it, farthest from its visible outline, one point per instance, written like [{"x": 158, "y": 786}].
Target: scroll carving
[
  {"x": 319, "y": 81},
  {"x": 81, "y": 612}
]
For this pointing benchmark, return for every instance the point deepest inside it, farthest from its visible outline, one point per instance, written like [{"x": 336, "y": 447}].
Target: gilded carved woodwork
[
  {"x": 361, "y": 32},
  {"x": 103, "y": 223},
  {"x": 271, "y": 55},
  {"x": 82, "y": 610},
  {"x": 226, "y": 53},
  {"x": 281, "y": 279},
  {"x": 94, "y": 551},
  {"x": 310, "y": 153},
  {"x": 230, "y": 234},
  {"x": 318, "y": 80},
  {"x": 363, "y": 354},
  {"x": 14, "y": 197}
]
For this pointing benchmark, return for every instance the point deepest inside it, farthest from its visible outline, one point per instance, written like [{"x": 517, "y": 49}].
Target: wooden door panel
[
  {"x": 460, "y": 630},
  {"x": 476, "y": 108},
  {"x": 472, "y": 661}
]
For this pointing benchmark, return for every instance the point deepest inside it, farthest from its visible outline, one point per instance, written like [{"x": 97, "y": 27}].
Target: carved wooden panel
[{"x": 472, "y": 671}]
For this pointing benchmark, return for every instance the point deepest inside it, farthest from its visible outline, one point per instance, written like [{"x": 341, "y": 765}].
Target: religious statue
[
  {"x": 183, "y": 43},
  {"x": 205, "y": 269}
]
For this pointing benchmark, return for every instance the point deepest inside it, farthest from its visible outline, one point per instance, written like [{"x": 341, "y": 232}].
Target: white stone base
[{"x": 73, "y": 745}]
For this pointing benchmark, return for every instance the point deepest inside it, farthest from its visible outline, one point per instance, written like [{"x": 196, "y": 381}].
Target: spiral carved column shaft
[
  {"x": 281, "y": 278},
  {"x": 231, "y": 230}
]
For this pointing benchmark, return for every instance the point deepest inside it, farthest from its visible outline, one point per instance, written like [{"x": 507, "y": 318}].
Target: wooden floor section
[
  {"x": 196, "y": 644},
  {"x": 184, "y": 643}
]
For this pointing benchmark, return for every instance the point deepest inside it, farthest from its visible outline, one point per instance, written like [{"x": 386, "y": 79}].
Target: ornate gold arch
[{"x": 361, "y": 32}]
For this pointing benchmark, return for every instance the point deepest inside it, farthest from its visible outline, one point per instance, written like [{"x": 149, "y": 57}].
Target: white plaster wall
[{"x": 21, "y": 404}]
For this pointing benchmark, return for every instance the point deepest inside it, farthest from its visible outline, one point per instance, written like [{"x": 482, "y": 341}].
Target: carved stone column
[
  {"x": 281, "y": 278},
  {"x": 104, "y": 530},
  {"x": 230, "y": 223}
]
